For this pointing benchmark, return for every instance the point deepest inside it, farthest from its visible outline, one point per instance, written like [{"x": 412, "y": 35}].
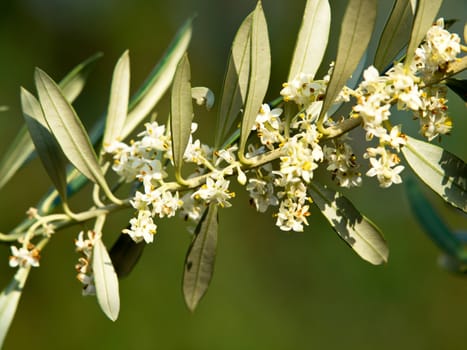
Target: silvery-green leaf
[
  {"x": 396, "y": 33},
  {"x": 9, "y": 301},
  {"x": 73, "y": 83},
  {"x": 356, "y": 230},
  {"x": 424, "y": 16},
  {"x": 203, "y": 96},
  {"x": 312, "y": 38},
  {"x": 357, "y": 28},
  {"x": 199, "y": 262},
  {"x": 442, "y": 171},
  {"x": 430, "y": 221},
  {"x": 19, "y": 151},
  {"x": 119, "y": 96},
  {"x": 67, "y": 128},
  {"x": 459, "y": 86},
  {"x": 260, "y": 70},
  {"x": 22, "y": 148},
  {"x": 105, "y": 280},
  {"x": 181, "y": 111},
  {"x": 235, "y": 82},
  {"x": 46, "y": 146},
  {"x": 158, "y": 81}
]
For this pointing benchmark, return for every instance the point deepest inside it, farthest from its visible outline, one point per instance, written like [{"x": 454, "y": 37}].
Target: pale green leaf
[
  {"x": 357, "y": 28},
  {"x": 118, "y": 104},
  {"x": 67, "y": 128},
  {"x": 9, "y": 301},
  {"x": 235, "y": 82},
  {"x": 158, "y": 81},
  {"x": 356, "y": 230},
  {"x": 19, "y": 151},
  {"x": 396, "y": 33},
  {"x": 259, "y": 73},
  {"x": 46, "y": 146},
  {"x": 22, "y": 148},
  {"x": 181, "y": 111},
  {"x": 442, "y": 171},
  {"x": 312, "y": 38},
  {"x": 203, "y": 96},
  {"x": 73, "y": 83},
  {"x": 199, "y": 262},
  {"x": 105, "y": 280},
  {"x": 424, "y": 16}
]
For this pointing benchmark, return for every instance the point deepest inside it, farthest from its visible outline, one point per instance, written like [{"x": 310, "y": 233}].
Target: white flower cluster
[
  {"x": 24, "y": 256},
  {"x": 146, "y": 160},
  {"x": 405, "y": 88},
  {"x": 84, "y": 245}
]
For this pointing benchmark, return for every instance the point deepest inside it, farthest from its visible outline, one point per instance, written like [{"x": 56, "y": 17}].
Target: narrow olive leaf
[
  {"x": 203, "y": 96},
  {"x": 9, "y": 301},
  {"x": 235, "y": 82},
  {"x": 356, "y": 30},
  {"x": 395, "y": 34},
  {"x": 119, "y": 96},
  {"x": 149, "y": 94},
  {"x": 67, "y": 128},
  {"x": 424, "y": 16},
  {"x": 356, "y": 230},
  {"x": 260, "y": 70},
  {"x": 440, "y": 170},
  {"x": 312, "y": 38},
  {"x": 200, "y": 259},
  {"x": 46, "y": 146},
  {"x": 106, "y": 281},
  {"x": 459, "y": 86},
  {"x": 181, "y": 111},
  {"x": 125, "y": 254},
  {"x": 19, "y": 151},
  {"x": 73, "y": 83},
  {"x": 22, "y": 148}
]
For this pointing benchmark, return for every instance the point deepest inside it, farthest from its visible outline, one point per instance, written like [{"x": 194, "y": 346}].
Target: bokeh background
[{"x": 271, "y": 290}]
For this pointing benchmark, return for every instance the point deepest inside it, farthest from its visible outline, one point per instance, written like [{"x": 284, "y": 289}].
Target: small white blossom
[
  {"x": 384, "y": 166},
  {"x": 24, "y": 257},
  {"x": 262, "y": 194},
  {"x": 216, "y": 189},
  {"x": 142, "y": 227},
  {"x": 292, "y": 216}
]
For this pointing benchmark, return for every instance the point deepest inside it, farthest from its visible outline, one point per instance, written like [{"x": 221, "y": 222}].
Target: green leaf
[
  {"x": 440, "y": 170},
  {"x": 203, "y": 96},
  {"x": 395, "y": 34},
  {"x": 424, "y": 16},
  {"x": 260, "y": 63},
  {"x": 430, "y": 220},
  {"x": 235, "y": 82},
  {"x": 73, "y": 83},
  {"x": 9, "y": 301},
  {"x": 459, "y": 86},
  {"x": 19, "y": 151},
  {"x": 118, "y": 104},
  {"x": 106, "y": 281},
  {"x": 46, "y": 146},
  {"x": 356, "y": 230},
  {"x": 312, "y": 38},
  {"x": 22, "y": 148},
  {"x": 158, "y": 81},
  {"x": 181, "y": 111},
  {"x": 357, "y": 28},
  {"x": 199, "y": 262},
  {"x": 125, "y": 254},
  {"x": 67, "y": 128}
]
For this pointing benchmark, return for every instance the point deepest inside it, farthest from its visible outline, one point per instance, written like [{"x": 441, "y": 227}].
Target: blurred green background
[{"x": 271, "y": 290}]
